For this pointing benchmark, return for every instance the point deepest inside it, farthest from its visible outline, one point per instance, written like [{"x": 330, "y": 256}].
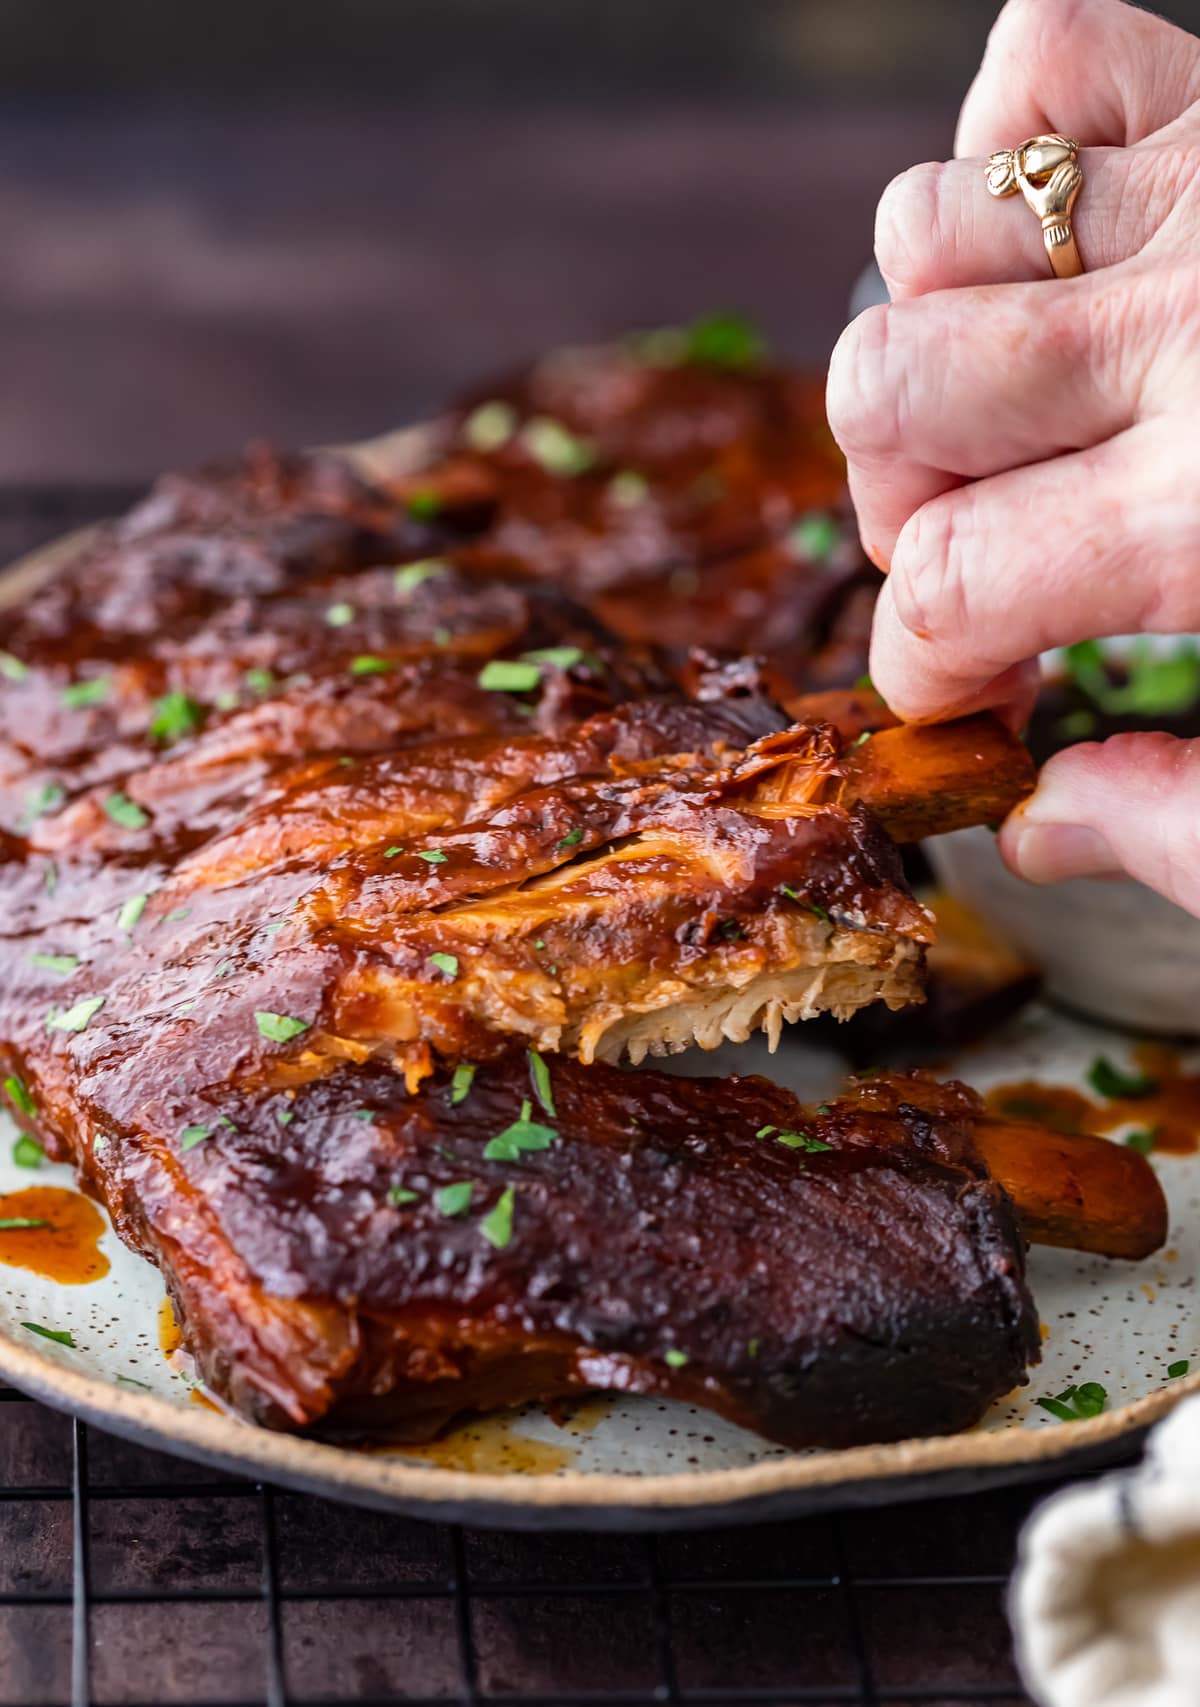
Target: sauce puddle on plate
[
  {"x": 490, "y": 1445},
  {"x": 63, "y": 1242},
  {"x": 1170, "y": 1109}
]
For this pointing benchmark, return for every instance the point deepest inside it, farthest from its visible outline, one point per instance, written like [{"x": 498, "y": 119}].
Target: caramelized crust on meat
[{"x": 824, "y": 1277}]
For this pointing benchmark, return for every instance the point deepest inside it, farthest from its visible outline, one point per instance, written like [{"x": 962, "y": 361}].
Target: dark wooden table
[{"x": 179, "y": 280}]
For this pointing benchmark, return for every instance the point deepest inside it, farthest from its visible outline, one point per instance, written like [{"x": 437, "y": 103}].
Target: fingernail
[{"x": 1046, "y": 853}]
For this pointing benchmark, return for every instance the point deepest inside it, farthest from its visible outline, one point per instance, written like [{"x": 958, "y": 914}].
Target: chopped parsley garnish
[
  {"x": 193, "y": 1135},
  {"x": 1142, "y": 1140},
  {"x": 338, "y": 615},
  {"x": 61, "y": 1336},
  {"x": 399, "y": 1195},
  {"x": 259, "y": 681},
  {"x": 27, "y": 1152},
  {"x": 175, "y": 715},
  {"x": 524, "y": 1134},
  {"x": 367, "y": 664},
  {"x": 447, "y": 963},
  {"x": 490, "y": 425},
  {"x": 815, "y": 536},
  {"x": 48, "y": 798},
  {"x": 285, "y": 1116},
  {"x": 224, "y": 1120},
  {"x": 507, "y": 675},
  {"x": 804, "y": 901},
  {"x": 558, "y": 657},
  {"x": 559, "y": 450},
  {"x": 92, "y": 692},
  {"x": 76, "y": 1018},
  {"x": 279, "y": 1028},
  {"x": 132, "y": 911},
  {"x": 424, "y": 506},
  {"x": 432, "y": 856},
  {"x": 801, "y": 1141},
  {"x": 1157, "y": 684},
  {"x": 390, "y": 853},
  {"x": 724, "y": 340},
  {"x": 864, "y": 684},
  {"x": 132, "y": 1381},
  {"x": 18, "y": 1094},
  {"x": 1077, "y": 725},
  {"x": 572, "y": 839},
  {"x": 19, "y": 1223},
  {"x": 675, "y": 1359},
  {"x": 1109, "y": 1081},
  {"x": 1178, "y": 1368},
  {"x": 175, "y": 914},
  {"x": 1075, "y": 1403},
  {"x": 441, "y": 637},
  {"x": 859, "y": 740},
  {"x": 460, "y": 1084},
  {"x": 63, "y": 964},
  {"x": 541, "y": 1083},
  {"x": 414, "y": 575},
  {"x": 51, "y": 877},
  {"x": 496, "y": 1225},
  {"x": 12, "y": 669},
  {"x": 628, "y": 488},
  {"x": 125, "y": 812},
  {"x": 824, "y": 1108},
  {"x": 454, "y": 1199}
]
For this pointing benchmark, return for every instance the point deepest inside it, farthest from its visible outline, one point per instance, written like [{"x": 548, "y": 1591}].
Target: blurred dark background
[{"x": 311, "y": 218}]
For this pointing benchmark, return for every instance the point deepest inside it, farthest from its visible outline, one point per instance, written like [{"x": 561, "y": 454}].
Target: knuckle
[
  {"x": 905, "y": 223},
  {"x": 856, "y": 380}
]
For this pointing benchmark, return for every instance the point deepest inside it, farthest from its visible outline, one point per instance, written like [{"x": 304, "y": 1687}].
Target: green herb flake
[
  {"x": 12, "y": 669},
  {"x": 1109, "y": 1081},
  {"x": 766, "y": 1131},
  {"x": 131, "y": 912},
  {"x": 125, "y": 812},
  {"x": 61, "y": 1336},
  {"x": 864, "y": 684},
  {"x": 367, "y": 664},
  {"x": 132, "y": 1381},
  {"x": 1178, "y": 1368},
  {"x": 524, "y": 1134},
  {"x": 92, "y": 692},
  {"x": 279, "y": 1028},
  {"x": 859, "y": 741},
  {"x": 259, "y": 681},
  {"x": 27, "y": 1152},
  {"x": 675, "y": 1359},
  {"x": 51, "y": 879},
  {"x": 48, "y": 798},
  {"x": 63, "y": 964},
  {"x": 490, "y": 425},
  {"x": 447, "y": 963},
  {"x": 414, "y": 575},
  {"x": 441, "y": 637},
  {"x": 1077, "y": 726},
  {"x": 507, "y": 675},
  {"x": 628, "y": 488},
  {"x": 1076, "y": 1403},
  {"x": 390, "y": 853},
  {"x": 453, "y": 1199},
  {"x": 20, "y": 1223},
  {"x": 1142, "y": 1140},
  {"x": 541, "y": 1083},
  {"x": 193, "y": 1135},
  {"x": 824, "y": 1108},
  {"x": 496, "y": 1225},
  {"x": 752, "y": 1349},
  {"x": 815, "y": 538},
  {"x": 725, "y": 340},
  {"x": 338, "y": 615},
  {"x": 423, "y": 506},
  {"x": 558, "y": 657},
  {"x": 175, "y": 715},
  {"x": 399, "y": 1195},
  {"x": 460, "y": 1084},
  {"x": 801, "y": 1141},
  {"x": 432, "y": 856},
  {"x": 285, "y": 1116},
  {"x": 76, "y": 1018},
  {"x": 572, "y": 839},
  {"x": 559, "y": 450},
  {"x": 17, "y": 1092}
]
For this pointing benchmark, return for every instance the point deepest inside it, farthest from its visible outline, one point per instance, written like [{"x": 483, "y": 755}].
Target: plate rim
[{"x": 876, "y": 1471}]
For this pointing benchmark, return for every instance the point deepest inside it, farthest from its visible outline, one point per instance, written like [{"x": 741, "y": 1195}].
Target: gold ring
[{"x": 1047, "y": 172}]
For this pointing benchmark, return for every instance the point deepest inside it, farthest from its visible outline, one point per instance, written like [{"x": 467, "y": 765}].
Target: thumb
[{"x": 1127, "y": 805}]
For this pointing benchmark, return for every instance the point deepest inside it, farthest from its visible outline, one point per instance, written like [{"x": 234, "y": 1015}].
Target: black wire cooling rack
[{"x": 128, "y": 1579}]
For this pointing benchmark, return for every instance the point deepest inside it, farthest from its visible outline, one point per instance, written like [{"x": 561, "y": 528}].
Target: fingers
[
  {"x": 1097, "y": 543},
  {"x": 1130, "y": 804},
  {"x": 937, "y": 227},
  {"x": 1102, "y": 71},
  {"x": 959, "y": 385}
]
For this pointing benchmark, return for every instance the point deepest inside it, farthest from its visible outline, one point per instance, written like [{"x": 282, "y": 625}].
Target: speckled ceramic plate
[{"x": 625, "y": 1463}]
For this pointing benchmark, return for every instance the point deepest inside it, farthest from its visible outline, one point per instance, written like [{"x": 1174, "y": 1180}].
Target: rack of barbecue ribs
[{"x": 325, "y": 823}]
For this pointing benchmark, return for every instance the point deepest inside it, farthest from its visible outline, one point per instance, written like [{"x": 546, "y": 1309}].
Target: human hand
[{"x": 1024, "y": 452}]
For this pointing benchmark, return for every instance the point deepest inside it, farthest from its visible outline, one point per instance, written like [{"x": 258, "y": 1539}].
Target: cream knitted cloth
[{"x": 1106, "y": 1597}]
